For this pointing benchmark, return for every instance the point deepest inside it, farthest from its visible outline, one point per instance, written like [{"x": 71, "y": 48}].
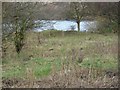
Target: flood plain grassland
[{"x": 62, "y": 59}]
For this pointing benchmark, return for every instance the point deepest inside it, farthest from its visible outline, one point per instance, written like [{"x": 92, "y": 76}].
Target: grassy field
[{"x": 62, "y": 59}]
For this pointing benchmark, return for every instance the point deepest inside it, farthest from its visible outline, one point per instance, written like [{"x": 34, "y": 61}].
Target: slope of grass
[{"x": 59, "y": 50}]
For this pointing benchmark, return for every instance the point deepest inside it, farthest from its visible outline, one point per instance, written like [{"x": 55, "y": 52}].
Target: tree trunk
[{"x": 78, "y": 24}]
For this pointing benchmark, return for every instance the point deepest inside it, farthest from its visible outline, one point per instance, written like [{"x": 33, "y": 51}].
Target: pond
[{"x": 64, "y": 25}]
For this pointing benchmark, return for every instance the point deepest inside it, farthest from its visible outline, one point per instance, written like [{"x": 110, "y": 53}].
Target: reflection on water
[{"x": 65, "y": 25}]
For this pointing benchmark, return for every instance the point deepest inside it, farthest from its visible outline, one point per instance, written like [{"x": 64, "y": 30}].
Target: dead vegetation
[{"x": 70, "y": 62}]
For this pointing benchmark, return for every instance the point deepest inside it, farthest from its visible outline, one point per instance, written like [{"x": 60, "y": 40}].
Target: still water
[{"x": 65, "y": 25}]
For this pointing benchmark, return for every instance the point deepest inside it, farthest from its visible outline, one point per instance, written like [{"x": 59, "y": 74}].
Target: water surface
[{"x": 65, "y": 25}]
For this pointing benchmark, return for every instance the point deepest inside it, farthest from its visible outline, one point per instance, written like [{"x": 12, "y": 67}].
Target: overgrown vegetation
[
  {"x": 75, "y": 60},
  {"x": 54, "y": 58}
]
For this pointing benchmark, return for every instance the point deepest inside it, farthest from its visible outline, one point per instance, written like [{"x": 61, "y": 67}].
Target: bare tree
[
  {"x": 77, "y": 11},
  {"x": 17, "y": 18}
]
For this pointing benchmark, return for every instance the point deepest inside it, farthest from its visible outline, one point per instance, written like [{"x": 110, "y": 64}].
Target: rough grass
[{"x": 62, "y": 59}]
